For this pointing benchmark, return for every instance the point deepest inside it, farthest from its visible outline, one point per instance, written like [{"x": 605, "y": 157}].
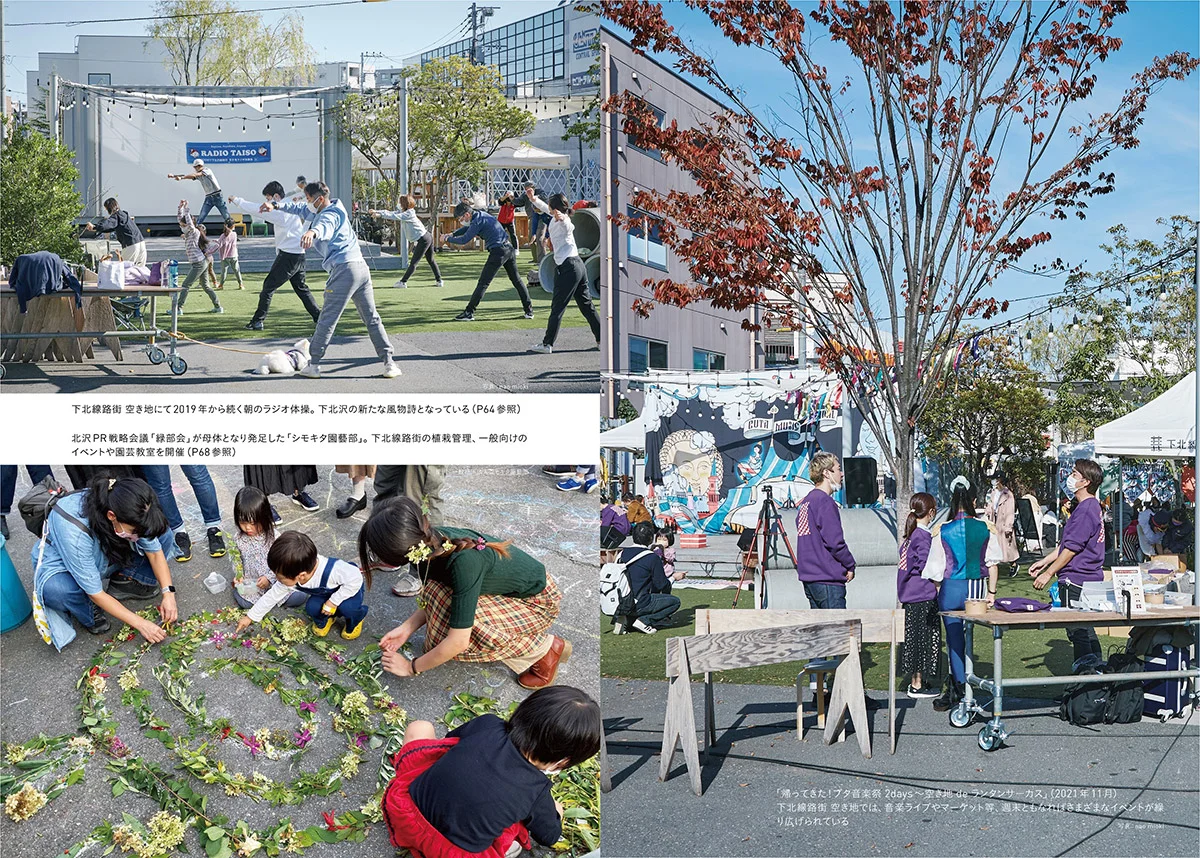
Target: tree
[
  {"x": 37, "y": 184},
  {"x": 963, "y": 136},
  {"x": 212, "y": 43},
  {"x": 990, "y": 405},
  {"x": 458, "y": 119}
]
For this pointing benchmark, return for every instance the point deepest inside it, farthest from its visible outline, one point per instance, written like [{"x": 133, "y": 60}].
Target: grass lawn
[
  {"x": 1026, "y": 653},
  {"x": 421, "y": 308}
]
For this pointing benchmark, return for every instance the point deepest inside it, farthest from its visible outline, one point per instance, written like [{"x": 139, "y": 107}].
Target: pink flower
[
  {"x": 361, "y": 740},
  {"x": 303, "y": 738},
  {"x": 337, "y": 658},
  {"x": 253, "y": 744},
  {"x": 117, "y": 748},
  {"x": 308, "y": 707},
  {"x": 248, "y": 643}
]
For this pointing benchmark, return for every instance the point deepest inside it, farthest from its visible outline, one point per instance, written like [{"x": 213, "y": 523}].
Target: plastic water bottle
[
  {"x": 173, "y": 268},
  {"x": 1055, "y": 599}
]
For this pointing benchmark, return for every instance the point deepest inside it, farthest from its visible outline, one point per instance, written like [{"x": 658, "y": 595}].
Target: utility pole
[
  {"x": 52, "y": 106},
  {"x": 479, "y": 14},
  {"x": 402, "y": 152},
  {"x": 3, "y": 91}
]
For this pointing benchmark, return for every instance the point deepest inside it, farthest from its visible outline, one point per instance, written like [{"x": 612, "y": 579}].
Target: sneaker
[
  {"x": 311, "y": 371},
  {"x": 514, "y": 850},
  {"x": 391, "y": 371},
  {"x": 921, "y": 693},
  {"x": 644, "y": 628},
  {"x": 558, "y": 470},
  {"x": 216, "y": 544},
  {"x": 351, "y": 506},
  {"x": 439, "y": 284},
  {"x": 218, "y": 309},
  {"x": 465, "y": 316},
  {"x": 305, "y": 500},
  {"x": 407, "y": 585},
  {"x": 949, "y": 698},
  {"x": 542, "y": 349},
  {"x": 4, "y": 526},
  {"x": 275, "y": 517},
  {"x": 322, "y": 629},
  {"x": 100, "y": 624},
  {"x": 254, "y": 326},
  {"x": 351, "y": 633},
  {"x": 590, "y": 485},
  {"x": 185, "y": 547},
  {"x": 123, "y": 588},
  {"x": 400, "y": 284},
  {"x": 570, "y": 484},
  {"x": 529, "y": 313}
]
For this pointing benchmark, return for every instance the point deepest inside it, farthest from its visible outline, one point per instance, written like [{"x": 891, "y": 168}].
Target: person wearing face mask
[
  {"x": 500, "y": 255},
  {"x": 113, "y": 531},
  {"x": 824, "y": 563},
  {"x": 288, "y": 266},
  {"x": 327, "y": 227},
  {"x": 1002, "y": 515},
  {"x": 1080, "y": 555}
]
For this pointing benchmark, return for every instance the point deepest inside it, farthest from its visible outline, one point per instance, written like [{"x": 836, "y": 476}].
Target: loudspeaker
[{"x": 861, "y": 480}]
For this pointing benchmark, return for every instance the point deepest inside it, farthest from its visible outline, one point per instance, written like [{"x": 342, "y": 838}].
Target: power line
[{"x": 290, "y": 8}]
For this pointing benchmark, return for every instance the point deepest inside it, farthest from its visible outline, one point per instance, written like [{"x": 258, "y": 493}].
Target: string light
[{"x": 243, "y": 126}]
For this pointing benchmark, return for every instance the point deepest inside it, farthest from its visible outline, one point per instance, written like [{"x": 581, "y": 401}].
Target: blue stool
[{"x": 15, "y": 607}]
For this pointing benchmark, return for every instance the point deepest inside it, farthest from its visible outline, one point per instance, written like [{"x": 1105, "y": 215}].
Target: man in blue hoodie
[
  {"x": 501, "y": 254},
  {"x": 327, "y": 226}
]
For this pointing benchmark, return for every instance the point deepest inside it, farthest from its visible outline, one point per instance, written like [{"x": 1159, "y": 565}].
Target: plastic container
[
  {"x": 215, "y": 583},
  {"x": 173, "y": 274},
  {"x": 15, "y": 607}
]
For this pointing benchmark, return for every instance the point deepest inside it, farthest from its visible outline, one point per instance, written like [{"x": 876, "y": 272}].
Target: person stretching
[
  {"x": 570, "y": 276},
  {"x": 196, "y": 246},
  {"x": 500, "y": 255},
  {"x": 212, "y": 190},
  {"x": 288, "y": 266},
  {"x": 120, "y": 223},
  {"x": 327, "y": 227},
  {"x": 416, "y": 234}
]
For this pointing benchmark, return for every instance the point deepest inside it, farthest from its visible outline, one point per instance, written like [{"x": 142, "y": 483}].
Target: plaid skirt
[{"x": 505, "y": 626}]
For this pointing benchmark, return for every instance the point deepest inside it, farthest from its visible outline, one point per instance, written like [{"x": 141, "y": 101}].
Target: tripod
[{"x": 769, "y": 527}]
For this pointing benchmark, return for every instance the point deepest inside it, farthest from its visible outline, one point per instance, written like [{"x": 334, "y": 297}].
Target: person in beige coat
[{"x": 1002, "y": 514}]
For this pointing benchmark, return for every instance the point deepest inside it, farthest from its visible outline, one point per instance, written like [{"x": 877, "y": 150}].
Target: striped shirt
[{"x": 191, "y": 235}]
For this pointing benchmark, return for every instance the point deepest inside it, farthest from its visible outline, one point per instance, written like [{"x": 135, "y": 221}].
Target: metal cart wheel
[
  {"x": 156, "y": 355},
  {"x": 992, "y": 736},
  {"x": 1, "y": 370},
  {"x": 177, "y": 365},
  {"x": 960, "y": 716}
]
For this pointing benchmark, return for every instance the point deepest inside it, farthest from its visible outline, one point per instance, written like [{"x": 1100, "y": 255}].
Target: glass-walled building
[{"x": 533, "y": 50}]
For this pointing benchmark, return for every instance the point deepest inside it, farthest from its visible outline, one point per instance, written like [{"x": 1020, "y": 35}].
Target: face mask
[
  {"x": 1072, "y": 484},
  {"x": 550, "y": 772},
  {"x": 129, "y": 537},
  {"x": 312, "y": 208},
  {"x": 995, "y": 484}
]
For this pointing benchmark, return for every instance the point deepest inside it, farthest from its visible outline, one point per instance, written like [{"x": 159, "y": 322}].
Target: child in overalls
[{"x": 334, "y": 587}]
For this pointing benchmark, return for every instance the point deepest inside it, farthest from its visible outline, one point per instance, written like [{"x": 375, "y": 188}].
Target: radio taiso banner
[{"x": 252, "y": 152}]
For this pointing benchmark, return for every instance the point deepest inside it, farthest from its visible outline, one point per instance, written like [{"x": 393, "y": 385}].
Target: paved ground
[
  {"x": 456, "y": 361},
  {"x": 761, "y": 785},
  {"x": 37, "y": 686}
]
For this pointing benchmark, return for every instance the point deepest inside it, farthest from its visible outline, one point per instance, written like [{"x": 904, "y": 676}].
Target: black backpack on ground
[
  {"x": 1126, "y": 698},
  {"x": 1084, "y": 704},
  {"x": 35, "y": 506}
]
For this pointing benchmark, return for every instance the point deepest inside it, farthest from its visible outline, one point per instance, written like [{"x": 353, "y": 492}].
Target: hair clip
[
  {"x": 111, "y": 483},
  {"x": 480, "y": 543}
]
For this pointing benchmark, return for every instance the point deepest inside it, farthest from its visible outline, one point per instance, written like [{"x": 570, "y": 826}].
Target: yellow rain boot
[
  {"x": 351, "y": 633},
  {"x": 322, "y": 629}
]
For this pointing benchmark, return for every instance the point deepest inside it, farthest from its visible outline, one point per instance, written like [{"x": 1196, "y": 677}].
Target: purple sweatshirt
[
  {"x": 1084, "y": 534},
  {"x": 910, "y": 586},
  {"x": 616, "y": 518},
  {"x": 821, "y": 553}
]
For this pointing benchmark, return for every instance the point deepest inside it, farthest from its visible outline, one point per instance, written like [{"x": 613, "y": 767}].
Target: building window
[
  {"x": 99, "y": 80},
  {"x": 645, "y": 355},
  {"x": 645, "y": 245},
  {"x": 632, "y": 139},
  {"x": 705, "y": 361}
]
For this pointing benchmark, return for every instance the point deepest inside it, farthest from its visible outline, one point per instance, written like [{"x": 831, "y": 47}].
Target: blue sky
[
  {"x": 398, "y": 28},
  {"x": 1158, "y": 179}
]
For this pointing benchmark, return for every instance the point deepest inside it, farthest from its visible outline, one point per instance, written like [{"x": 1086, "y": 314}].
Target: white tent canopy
[
  {"x": 1164, "y": 428},
  {"x": 628, "y": 436},
  {"x": 512, "y": 155}
]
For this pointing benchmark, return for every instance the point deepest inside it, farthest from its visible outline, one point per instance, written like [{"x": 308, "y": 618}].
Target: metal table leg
[
  {"x": 992, "y": 734},
  {"x": 962, "y": 712}
]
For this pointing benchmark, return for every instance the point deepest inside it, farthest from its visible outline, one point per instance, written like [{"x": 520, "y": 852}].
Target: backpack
[
  {"x": 1086, "y": 704},
  {"x": 1127, "y": 698},
  {"x": 616, "y": 594},
  {"x": 37, "y": 503}
]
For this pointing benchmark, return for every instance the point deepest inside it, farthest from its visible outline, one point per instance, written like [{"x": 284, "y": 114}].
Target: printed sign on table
[
  {"x": 250, "y": 152},
  {"x": 1128, "y": 579}
]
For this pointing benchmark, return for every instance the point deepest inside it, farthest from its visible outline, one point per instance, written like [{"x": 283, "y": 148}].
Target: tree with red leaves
[{"x": 883, "y": 249}]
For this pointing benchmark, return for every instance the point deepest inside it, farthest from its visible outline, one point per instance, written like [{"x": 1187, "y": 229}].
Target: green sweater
[{"x": 476, "y": 573}]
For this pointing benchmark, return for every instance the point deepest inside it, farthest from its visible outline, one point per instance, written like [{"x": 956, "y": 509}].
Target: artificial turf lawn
[
  {"x": 421, "y": 308},
  {"x": 1026, "y": 652}
]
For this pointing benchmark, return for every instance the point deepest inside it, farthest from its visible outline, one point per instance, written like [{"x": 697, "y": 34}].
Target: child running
[
  {"x": 334, "y": 588},
  {"x": 255, "y": 536},
  {"x": 485, "y": 788},
  {"x": 918, "y": 595},
  {"x": 416, "y": 235},
  {"x": 196, "y": 246}
]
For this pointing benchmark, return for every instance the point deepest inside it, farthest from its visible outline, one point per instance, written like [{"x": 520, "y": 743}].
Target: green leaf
[
  {"x": 90, "y": 721},
  {"x": 118, "y": 789},
  {"x": 214, "y": 833}
]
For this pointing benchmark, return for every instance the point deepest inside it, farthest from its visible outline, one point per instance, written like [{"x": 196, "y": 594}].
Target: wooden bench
[
  {"x": 705, "y": 653},
  {"x": 878, "y": 626}
]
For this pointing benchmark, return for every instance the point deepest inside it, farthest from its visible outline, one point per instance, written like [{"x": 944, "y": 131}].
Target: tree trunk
[{"x": 905, "y": 444}]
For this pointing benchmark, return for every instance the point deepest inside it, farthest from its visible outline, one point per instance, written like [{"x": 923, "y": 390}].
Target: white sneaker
[
  {"x": 400, "y": 284},
  {"x": 218, "y": 309},
  {"x": 542, "y": 348},
  {"x": 311, "y": 371},
  {"x": 406, "y": 585},
  {"x": 439, "y": 284},
  {"x": 391, "y": 371},
  {"x": 643, "y": 628},
  {"x": 514, "y": 850}
]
